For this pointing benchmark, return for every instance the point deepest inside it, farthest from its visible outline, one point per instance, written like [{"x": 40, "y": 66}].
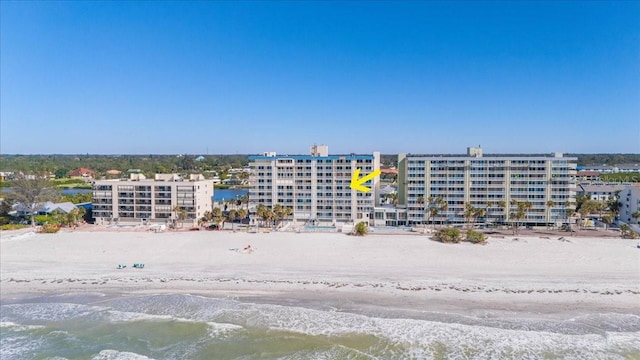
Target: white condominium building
[
  {"x": 316, "y": 186},
  {"x": 629, "y": 205},
  {"x": 141, "y": 200},
  {"x": 489, "y": 183}
]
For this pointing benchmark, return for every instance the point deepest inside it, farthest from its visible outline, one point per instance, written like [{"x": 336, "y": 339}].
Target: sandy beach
[{"x": 408, "y": 274}]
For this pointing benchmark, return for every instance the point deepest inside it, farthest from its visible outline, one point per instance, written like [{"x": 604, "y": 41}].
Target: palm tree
[
  {"x": 278, "y": 213},
  {"x": 503, "y": 206},
  {"x": 487, "y": 210},
  {"x": 478, "y": 213},
  {"x": 361, "y": 229},
  {"x": 180, "y": 214},
  {"x": 242, "y": 214},
  {"x": 208, "y": 216},
  {"x": 550, "y": 204},
  {"x": 420, "y": 201},
  {"x": 217, "y": 217},
  {"x": 232, "y": 215},
  {"x": 569, "y": 212},
  {"x": 469, "y": 211},
  {"x": 433, "y": 212},
  {"x": 519, "y": 214},
  {"x": 443, "y": 207}
]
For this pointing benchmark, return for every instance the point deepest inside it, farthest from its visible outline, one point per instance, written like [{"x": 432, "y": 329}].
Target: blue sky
[{"x": 245, "y": 77}]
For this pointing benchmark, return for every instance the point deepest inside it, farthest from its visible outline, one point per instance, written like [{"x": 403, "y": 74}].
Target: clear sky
[{"x": 126, "y": 77}]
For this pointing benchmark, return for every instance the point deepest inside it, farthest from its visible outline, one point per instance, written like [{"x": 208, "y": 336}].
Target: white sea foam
[
  {"x": 463, "y": 341},
  {"x": 475, "y": 338},
  {"x": 17, "y": 327},
  {"x": 48, "y": 311},
  {"x": 118, "y": 355},
  {"x": 15, "y": 347}
]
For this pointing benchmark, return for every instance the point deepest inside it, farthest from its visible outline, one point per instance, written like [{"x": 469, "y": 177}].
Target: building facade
[
  {"x": 489, "y": 183},
  {"x": 629, "y": 199},
  {"x": 141, "y": 200},
  {"x": 316, "y": 186},
  {"x": 599, "y": 192}
]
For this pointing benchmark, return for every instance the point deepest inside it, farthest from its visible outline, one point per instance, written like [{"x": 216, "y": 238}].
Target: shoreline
[{"x": 400, "y": 275}]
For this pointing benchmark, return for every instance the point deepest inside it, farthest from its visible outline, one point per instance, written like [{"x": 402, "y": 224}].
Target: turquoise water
[
  {"x": 318, "y": 228},
  {"x": 228, "y": 194},
  {"x": 194, "y": 327}
]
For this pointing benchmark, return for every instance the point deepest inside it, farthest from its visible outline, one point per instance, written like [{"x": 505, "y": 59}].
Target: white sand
[{"x": 532, "y": 275}]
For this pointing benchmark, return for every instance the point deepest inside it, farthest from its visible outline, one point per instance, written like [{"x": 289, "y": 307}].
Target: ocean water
[{"x": 195, "y": 327}]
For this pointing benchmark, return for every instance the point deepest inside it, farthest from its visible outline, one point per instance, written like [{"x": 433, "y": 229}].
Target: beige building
[
  {"x": 142, "y": 200},
  {"x": 316, "y": 186},
  {"x": 548, "y": 182}
]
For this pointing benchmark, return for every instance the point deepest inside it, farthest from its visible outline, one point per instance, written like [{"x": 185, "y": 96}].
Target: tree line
[{"x": 60, "y": 165}]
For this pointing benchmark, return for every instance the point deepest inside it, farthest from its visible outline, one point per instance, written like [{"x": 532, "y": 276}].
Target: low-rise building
[
  {"x": 599, "y": 192},
  {"x": 142, "y": 200}
]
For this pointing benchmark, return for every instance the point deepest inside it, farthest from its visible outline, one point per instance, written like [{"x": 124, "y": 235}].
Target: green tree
[
  {"x": 242, "y": 214},
  {"x": 550, "y": 204},
  {"x": 180, "y": 215},
  {"x": 636, "y": 215},
  {"x": 627, "y": 232},
  {"x": 503, "y": 206},
  {"x": 361, "y": 229},
  {"x": 232, "y": 216},
  {"x": 420, "y": 201},
  {"x": 519, "y": 214},
  {"x": 61, "y": 173},
  {"x": 217, "y": 217},
  {"x": 468, "y": 210},
  {"x": 31, "y": 193},
  {"x": 487, "y": 210},
  {"x": 74, "y": 216}
]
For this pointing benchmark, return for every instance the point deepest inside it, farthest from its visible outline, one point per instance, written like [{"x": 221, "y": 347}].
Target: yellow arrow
[{"x": 356, "y": 184}]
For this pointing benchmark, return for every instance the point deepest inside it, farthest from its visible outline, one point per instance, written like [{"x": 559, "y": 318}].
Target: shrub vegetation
[
  {"x": 361, "y": 229},
  {"x": 475, "y": 237},
  {"x": 448, "y": 235},
  {"x": 13, "y": 226},
  {"x": 49, "y": 229}
]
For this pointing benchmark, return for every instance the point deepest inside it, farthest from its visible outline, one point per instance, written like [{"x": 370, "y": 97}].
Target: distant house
[
  {"x": 114, "y": 172},
  {"x": 603, "y": 169},
  {"x": 200, "y": 158},
  {"x": 628, "y": 168},
  {"x": 4, "y": 176},
  {"x": 588, "y": 176},
  {"x": 44, "y": 209},
  {"x": 602, "y": 192},
  {"x": 82, "y": 173}
]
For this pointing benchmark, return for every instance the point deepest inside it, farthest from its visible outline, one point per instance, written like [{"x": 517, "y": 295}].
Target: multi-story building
[
  {"x": 490, "y": 183},
  {"x": 316, "y": 187},
  {"x": 141, "y": 200},
  {"x": 629, "y": 199}
]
